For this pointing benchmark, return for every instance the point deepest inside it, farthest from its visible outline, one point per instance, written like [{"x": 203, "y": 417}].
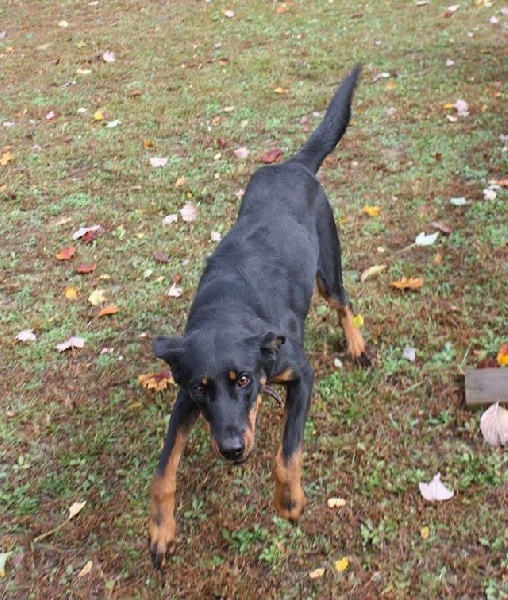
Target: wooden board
[{"x": 486, "y": 386}]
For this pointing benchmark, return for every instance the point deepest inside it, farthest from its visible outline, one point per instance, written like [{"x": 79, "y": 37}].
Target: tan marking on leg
[
  {"x": 289, "y": 497},
  {"x": 250, "y": 434},
  {"x": 354, "y": 340},
  {"x": 162, "y": 527},
  {"x": 284, "y": 377}
]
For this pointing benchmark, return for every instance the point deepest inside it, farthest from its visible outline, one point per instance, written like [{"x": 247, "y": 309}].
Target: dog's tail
[{"x": 328, "y": 133}]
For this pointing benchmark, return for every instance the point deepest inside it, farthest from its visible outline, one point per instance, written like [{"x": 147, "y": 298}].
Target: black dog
[{"x": 246, "y": 325}]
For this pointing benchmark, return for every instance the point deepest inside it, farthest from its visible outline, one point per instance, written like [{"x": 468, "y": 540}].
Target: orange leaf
[
  {"x": 408, "y": 284},
  {"x": 111, "y": 309},
  {"x": 502, "y": 356},
  {"x": 66, "y": 253},
  {"x": 156, "y": 381},
  {"x": 85, "y": 268},
  {"x": 147, "y": 144}
]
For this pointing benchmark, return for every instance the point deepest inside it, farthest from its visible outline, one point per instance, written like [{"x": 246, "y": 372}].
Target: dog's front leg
[
  {"x": 289, "y": 496},
  {"x": 162, "y": 526}
]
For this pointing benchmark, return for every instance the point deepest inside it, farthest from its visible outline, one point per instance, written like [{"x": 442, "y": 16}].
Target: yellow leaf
[
  {"x": 70, "y": 293},
  {"x": 425, "y": 532},
  {"x": 374, "y": 270},
  {"x": 449, "y": 105},
  {"x": 358, "y": 321},
  {"x": 317, "y": 573},
  {"x": 97, "y": 297},
  {"x": 180, "y": 181},
  {"x": 98, "y": 115},
  {"x": 6, "y": 158},
  {"x": 156, "y": 381},
  {"x": 342, "y": 564},
  {"x": 502, "y": 356},
  {"x": 372, "y": 211},
  {"x": 413, "y": 283},
  {"x": 280, "y": 90}
]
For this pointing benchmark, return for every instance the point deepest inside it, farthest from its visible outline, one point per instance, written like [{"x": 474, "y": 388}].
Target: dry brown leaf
[
  {"x": 65, "y": 253},
  {"x": 111, "y": 309}
]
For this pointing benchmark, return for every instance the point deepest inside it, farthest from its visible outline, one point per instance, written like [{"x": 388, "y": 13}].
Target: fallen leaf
[
  {"x": 27, "y": 335},
  {"x": 6, "y": 158},
  {"x": 111, "y": 309},
  {"x": 489, "y": 194},
  {"x": 4, "y": 557},
  {"x": 215, "y": 236},
  {"x": 82, "y": 231},
  {"x": 272, "y": 156},
  {"x": 458, "y": 201},
  {"x": 147, "y": 144},
  {"x": 97, "y": 297},
  {"x": 86, "y": 268},
  {"x": 113, "y": 124},
  {"x": 170, "y": 219},
  {"x": 412, "y": 283},
  {"x": 494, "y": 425},
  {"x": 180, "y": 181},
  {"x": 70, "y": 293},
  {"x": 336, "y": 502},
  {"x": 66, "y": 253},
  {"x": 51, "y": 115},
  {"x": 86, "y": 569},
  {"x": 371, "y": 271},
  {"x": 89, "y": 237},
  {"x": 442, "y": 227},
  {"x": 462, "y": 108},
  {"x": 72, "y": 342},
  {"x": 341, "y": 564},
  {"x": 502, "y": 356},
  {"x": 174, "y": 291},
  {"x": 372, "y": 211},
  {"x": 158, "y": 161},
  {"x": 75, "y": 509},
  {"x": 358, "y": 321},
  {"x": 229, "y": 14},
  {"x": 435, "y": 491},
  {"x": 317, "y": 573},
  {"x": 161, "y": 257},
  {"x": 279, "y": 90},
  {"x": 501, "y": 182},
  {"x": 426, "y": 240},
  {"x": 98, "y": 115},
  {"x": 409, "y": 354},
  {"x": 63, "y": 24},
  {"x": 241, "y": 153},
  {"x": 189, "y": 212},
  {"x": 425, "y": 532},
  {"x": 109, "y": 56},
  {"x": 156, "y": 381}
]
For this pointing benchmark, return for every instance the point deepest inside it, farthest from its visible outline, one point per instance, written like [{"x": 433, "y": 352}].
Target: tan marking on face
[
  {"x": 204, "y": 381},
  {"x": 289, "y": 497},
  {"x": 249, "y": 436},
  {"x": 284, "y": 377},
  {"x": 233, "y": 375},
  {"x": 162, "y": 526}
]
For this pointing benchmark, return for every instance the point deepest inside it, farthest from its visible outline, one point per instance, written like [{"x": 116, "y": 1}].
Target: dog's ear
[
  {"x": 270, "y": 346},
  {"x": 168, "y": 349}
]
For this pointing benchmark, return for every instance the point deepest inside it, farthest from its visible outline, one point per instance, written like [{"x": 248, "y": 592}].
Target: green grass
[{"x": 76, "y": 426}]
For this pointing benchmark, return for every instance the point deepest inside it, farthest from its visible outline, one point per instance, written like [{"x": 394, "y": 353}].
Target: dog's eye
[
  {"x": 243, "y": 380},
  {"x": 199, "y": 390}
]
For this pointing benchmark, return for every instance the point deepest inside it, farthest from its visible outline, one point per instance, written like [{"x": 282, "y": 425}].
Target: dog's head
[{"x": 224, "y": 376}]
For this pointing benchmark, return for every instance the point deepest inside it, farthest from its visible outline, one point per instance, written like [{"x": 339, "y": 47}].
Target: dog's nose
[{"x": 232, "y": 449}]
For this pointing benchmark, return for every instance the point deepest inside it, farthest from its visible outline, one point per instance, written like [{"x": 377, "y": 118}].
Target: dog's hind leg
[
  {"x": 162, "y": 526},
  {"x": 329, "y": 279}
]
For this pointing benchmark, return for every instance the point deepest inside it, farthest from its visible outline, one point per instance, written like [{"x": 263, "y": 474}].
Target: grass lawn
[{"x": 90, "y": 92}]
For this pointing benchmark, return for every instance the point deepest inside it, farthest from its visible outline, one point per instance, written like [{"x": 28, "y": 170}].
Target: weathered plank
[{"x": 486, "y": 386}]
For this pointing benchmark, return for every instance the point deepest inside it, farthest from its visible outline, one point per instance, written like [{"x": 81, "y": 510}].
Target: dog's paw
[
  {"x": 363, "y": 360},
  {"x": 289, "y": 502},
  {"x": 161, "y": 541}
]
